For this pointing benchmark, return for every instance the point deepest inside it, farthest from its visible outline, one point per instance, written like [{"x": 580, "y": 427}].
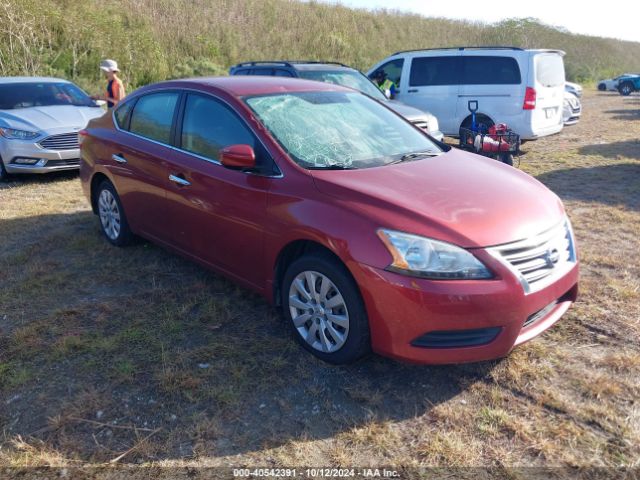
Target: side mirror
[{"x": 238, "y": 157}]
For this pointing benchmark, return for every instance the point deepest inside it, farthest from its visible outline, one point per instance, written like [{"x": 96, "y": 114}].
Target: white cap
[{"x": 109, "y": 66}]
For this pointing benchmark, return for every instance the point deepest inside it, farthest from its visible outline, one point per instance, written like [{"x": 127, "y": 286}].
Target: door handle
[
  {"x": 179, "y": 180},
  {"x": 118, "y": 158},
  {"x": 412, "y": 90}
]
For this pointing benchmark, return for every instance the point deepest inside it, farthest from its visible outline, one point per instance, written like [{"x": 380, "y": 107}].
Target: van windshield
[
  {"x": 549, "y": 70},
  {"x": 339, "y": 130}
]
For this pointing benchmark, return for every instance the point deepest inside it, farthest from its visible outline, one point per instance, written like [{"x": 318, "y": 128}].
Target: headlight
[
  {"x": 423, "y": 257},
  {"x": 17, "y": 134},
  {"x": 433, "y": 124}
]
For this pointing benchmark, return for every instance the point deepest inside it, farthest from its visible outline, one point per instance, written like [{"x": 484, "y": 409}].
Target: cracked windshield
[{"x": 339, "y": 130}]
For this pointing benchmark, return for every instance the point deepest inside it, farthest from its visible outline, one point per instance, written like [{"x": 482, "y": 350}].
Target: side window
[
  {"x": 241, "y": 72},
  {"x": 490, "y": 71},
  {"x": 282, "y": 73},
  {"x": 153, "y": 115},
  {"x": 393, "y": 69},
  {"x": 430, "y": 71},
  {"x": 122, "y": 114},
  {"x": 262, "y": 71},
  {"x": 209, "y": 126}
]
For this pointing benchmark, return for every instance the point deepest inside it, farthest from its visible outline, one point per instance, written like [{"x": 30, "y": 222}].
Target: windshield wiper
[
  {"x": 413, "y": 156},
  {"x": 332, "y": 167}
]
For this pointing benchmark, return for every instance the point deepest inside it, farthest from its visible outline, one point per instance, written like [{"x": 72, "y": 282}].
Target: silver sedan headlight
[
  {"x": 428, "y": 258},
  {"x": 14, "y": 134}
]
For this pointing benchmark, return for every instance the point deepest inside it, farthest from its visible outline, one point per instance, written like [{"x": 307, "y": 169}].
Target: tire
[
  {"x": 113, "y": 221},
  {"x": 337, "y": 342},
  {"x": 602, "y": 87},
  {"x": 506, "y": 158},
  {"x": 626, "y": 89},
  {"x": 4, "y": 176},
  {"x": 483, "y": 123}
]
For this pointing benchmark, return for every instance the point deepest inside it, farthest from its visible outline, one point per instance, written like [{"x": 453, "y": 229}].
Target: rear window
[
  {"x": 429, "y": 71},
  {"x": 549, "y": 70},
  {"x": 153, "y": 115},
  {"x": 490, "y": 70}
]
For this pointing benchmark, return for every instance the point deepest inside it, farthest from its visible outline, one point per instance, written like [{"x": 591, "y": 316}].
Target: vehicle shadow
[
  {"x": 125, "y": 341},
  {"x": 617, "y": 184},
  {"x": 32, "y": 178},
  {"x": 624, "y": 114},
  {"x": 616, "y": 150}
]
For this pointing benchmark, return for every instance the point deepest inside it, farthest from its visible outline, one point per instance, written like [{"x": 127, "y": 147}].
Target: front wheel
[
  {"x": 602, "y": 87},
  {"x": 4, "y": 176},
  {"x": 322, "y": 304},
  {"x": 626, "y": 89},
  {"x": 113, "y": 221}
]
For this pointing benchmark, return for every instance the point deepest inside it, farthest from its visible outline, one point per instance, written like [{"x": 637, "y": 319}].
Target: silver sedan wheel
[
  {"x": 109, "y": 214},
  {"x": 319, "y": 312}
]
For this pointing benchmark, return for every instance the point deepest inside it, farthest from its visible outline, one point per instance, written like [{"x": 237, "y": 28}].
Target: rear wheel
[
  {"x": 506, "y": 158},
  {"x": 483, "y": 123},
  {"x": 323, "y": 307},
  {"x": 602, "y": 87},
  {"x": 626, "y": 89},
  {"x": 113, "y": 221}
]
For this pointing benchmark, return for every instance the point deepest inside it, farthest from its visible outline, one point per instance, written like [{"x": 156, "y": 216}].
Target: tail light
[
  {"x": 529, "y": 99},
  {"x": 82, "y": 134}
]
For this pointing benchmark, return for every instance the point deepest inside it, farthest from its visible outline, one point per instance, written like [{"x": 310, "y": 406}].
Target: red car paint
[{"x": 239, "y": 224}]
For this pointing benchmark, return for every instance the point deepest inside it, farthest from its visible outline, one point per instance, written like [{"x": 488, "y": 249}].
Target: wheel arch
[
  {"x": 467, "y": 120},
  {"x": 96, "y": 180}
]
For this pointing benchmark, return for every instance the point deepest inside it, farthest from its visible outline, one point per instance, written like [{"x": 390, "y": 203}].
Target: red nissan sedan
[{"x": 368, "y": 233}]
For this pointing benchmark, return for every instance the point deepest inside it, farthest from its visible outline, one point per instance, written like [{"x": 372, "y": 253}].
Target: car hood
[
  {"x": 49, "y": 118},
  {"x": 410, "y": 113},
  {"x": 457, "y": 197}
]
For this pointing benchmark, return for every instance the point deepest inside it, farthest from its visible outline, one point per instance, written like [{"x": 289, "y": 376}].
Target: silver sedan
[{"x": 39, "y": 123}]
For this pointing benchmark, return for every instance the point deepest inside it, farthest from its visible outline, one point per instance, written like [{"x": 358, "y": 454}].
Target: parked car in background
[
  {"x": 39, "y": 123},
  {"x": 522, "y": 88},
  {"x": 365, "y": 231},
  {"x": 611, "y": 84},
  {"x": 571, "y": 110},
  {"x": 628, "y": 84},
  {"x": 339, "y": 74},
  {"x": 573, "y": 88}
]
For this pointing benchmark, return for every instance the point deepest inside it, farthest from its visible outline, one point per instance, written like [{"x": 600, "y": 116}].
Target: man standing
[{"x": 384, "y": 84}]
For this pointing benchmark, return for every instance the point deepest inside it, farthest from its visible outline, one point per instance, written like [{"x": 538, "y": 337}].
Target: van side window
[
  {"x": 393, "y": 69},
  {"x": 490, "y": 70},
  {"x": 429, "y": 71},
  {"x": 153, "y": 115}
]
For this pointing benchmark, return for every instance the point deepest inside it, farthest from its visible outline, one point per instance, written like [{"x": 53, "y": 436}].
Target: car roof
[
  {"x": 32, "y": 79},
  {"x": 294, "y": 65},
  {"x": 240, "y": 86}
]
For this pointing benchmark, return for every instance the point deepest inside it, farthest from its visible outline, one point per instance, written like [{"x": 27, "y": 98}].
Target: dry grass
[{"x": 100, "y": 347}]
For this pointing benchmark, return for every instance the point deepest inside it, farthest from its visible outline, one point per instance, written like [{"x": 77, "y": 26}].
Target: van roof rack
[
  {"x": 481, "y": 47},
  {"x": 288, "y": 63}
]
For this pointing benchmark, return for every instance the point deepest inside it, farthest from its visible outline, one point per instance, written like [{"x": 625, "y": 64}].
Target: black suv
[{"x": 340, "y": 74}]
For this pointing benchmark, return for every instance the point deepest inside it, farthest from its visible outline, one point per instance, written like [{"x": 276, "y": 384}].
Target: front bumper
[
  {"x": 47, "y": 160},
  {"x": 403, "y": 309}
]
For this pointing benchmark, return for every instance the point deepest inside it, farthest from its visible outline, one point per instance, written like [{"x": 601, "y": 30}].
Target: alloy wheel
[
  {"x": 109, "y": 214},
  {"x": 318, "y": 311}
]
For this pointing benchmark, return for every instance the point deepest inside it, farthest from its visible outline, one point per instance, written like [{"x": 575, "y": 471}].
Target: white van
[{"x": 522, "y": 88}]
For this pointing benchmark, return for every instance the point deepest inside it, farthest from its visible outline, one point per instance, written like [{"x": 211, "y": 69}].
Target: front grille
[
  {"x": 536, "y": 259},
  {"x": 71, "y": 162},
  {"x": 64, "y": 141},
  {"x": 421, "y": 124},
  {"x": 540, "y": 314}
]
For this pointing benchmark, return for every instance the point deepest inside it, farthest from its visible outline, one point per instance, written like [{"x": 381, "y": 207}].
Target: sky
[{"x": 590, "y": 17}]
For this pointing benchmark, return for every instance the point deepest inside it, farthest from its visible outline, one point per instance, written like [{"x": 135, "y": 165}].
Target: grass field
[{"x": 136, "y": 356}]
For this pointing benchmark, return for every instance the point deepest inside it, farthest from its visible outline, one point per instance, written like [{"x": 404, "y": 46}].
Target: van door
[
  {"x": 548, "y": 82},
  {"x": 432, "y": 84},
  {"x": 496, "y": 83}
]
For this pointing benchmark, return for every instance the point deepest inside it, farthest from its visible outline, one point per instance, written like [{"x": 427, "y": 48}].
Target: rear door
[
  {"x": 432, "y": 84},
  {"x": 217, "y": 214},
  {"x": 137, "y": 161},
  {"x": 495, "y": 82},
  {"x": 548, "y": 81}
]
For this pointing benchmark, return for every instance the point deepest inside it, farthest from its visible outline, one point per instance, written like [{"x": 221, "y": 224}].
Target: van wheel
[
  {"x": 323, "y": 307},
  {"x": 483, "y": 123},
  {"x": 113, "y": 221},
  {"x": 626, "y": 88}
]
